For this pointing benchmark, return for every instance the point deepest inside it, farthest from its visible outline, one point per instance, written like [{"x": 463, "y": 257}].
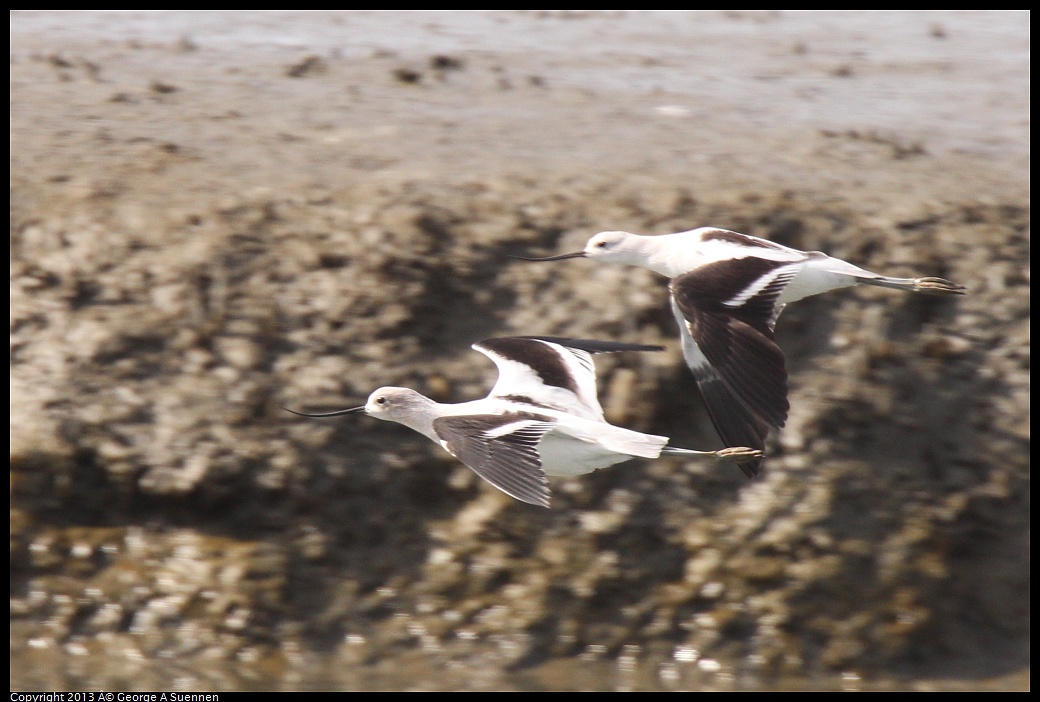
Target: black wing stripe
[
  {"x": 510, "y": 462},
  {"x": 759, "y": 311},
  {"x": 713, "y": 285},
  {"x": 720, "y": 287},
  {"x": 737, "y": 238},
  {"x": 545, "y": 361},
  {"x": 594, "y": 346}
]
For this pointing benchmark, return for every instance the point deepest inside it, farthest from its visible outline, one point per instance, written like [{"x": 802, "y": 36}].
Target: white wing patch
[
  {"x": 583, "y": 372},
  {"x": 571, "y": 374},
  {"x": 511, "y": 428},
  {"x": 760, "y": 284}
]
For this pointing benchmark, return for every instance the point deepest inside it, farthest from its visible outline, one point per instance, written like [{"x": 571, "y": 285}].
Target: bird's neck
[
  {"x": 669, "y": 254},
  {"x": 422, "y": 416}
]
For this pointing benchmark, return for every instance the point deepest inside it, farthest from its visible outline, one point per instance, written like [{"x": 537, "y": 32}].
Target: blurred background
[{"x": 217, "y": 213}]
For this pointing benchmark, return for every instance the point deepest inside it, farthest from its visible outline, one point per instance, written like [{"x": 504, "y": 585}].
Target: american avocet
[
  {"x": 541, "y": 418},
  {"x": 727, "y": 290}
]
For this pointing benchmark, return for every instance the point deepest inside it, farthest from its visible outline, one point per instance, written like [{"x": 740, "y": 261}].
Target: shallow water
[{"x": 959, "y": 73}]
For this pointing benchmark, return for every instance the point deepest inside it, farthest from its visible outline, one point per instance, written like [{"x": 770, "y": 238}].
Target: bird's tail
[{"x": 618, "y": 439}]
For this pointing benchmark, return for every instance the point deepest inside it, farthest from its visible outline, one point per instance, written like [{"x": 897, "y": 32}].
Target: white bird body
[
  {"x": 727, "y": 290},
  {"x": 673, "y": 255}
]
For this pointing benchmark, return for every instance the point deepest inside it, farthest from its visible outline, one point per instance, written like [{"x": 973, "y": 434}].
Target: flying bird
[
  {"x": 542, "y": 417},
  {"x": 727, "y": 290}
]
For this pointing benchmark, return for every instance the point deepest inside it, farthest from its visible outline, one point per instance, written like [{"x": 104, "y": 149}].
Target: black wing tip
[
  {"x": 594, "y": 345},
  {"x": 734, "y": 423},
  {"x": 751, "y": 469}
]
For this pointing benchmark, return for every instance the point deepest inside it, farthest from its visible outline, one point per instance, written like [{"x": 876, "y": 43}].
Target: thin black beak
[
  {"x": 327, "y": 414},
  {"x": 576, "y": 254}
]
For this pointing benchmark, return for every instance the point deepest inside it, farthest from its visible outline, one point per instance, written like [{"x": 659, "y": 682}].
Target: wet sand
[{"x": 214, "y": 214}]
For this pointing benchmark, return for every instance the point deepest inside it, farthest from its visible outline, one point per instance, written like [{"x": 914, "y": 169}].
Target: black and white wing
[
  {"x": 552, "y": 372},
  {"x": 502, "y": 449},
  {"x": 725, "y": 312},
  {"x": 737, "y": 245}
]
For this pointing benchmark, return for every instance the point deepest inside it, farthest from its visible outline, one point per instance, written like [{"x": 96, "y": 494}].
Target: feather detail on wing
[
  {"x": 726, "y": 311},
  {"x": 501, "y": 449},
  {"x": 551, "y": 372}
]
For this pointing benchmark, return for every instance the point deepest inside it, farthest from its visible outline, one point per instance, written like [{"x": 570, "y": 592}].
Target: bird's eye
[
  {"x": 600, "y": 244},
  {"x": 380, "y": 400}
]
